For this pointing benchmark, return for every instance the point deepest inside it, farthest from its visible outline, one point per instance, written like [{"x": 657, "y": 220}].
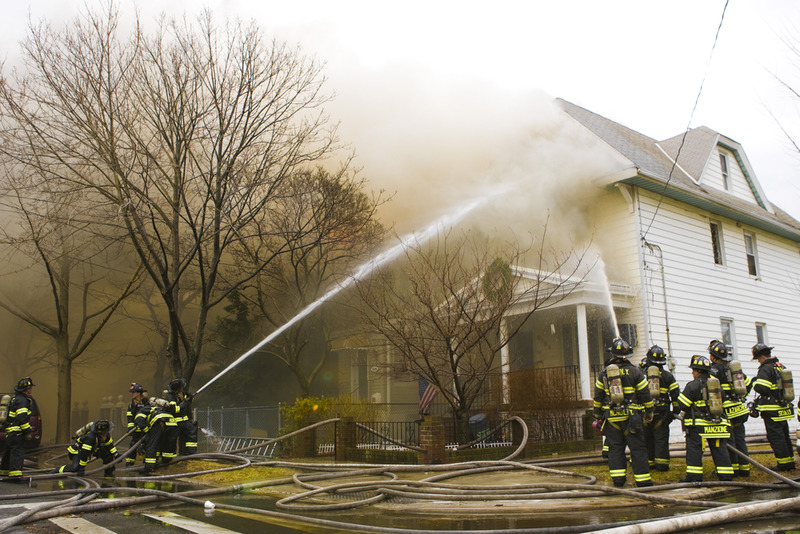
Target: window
[
  {"x": 723, "y": 165},
  {"x": 750, "y": 251},
  {"x": 726, "y": 329},
  {"x": 716, "y": 242},
  {"x": 761, "y": 333}
]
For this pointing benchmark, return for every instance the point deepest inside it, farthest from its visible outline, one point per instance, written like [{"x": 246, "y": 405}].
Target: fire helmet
[
  {"x": 101, "y": 426},
  {"x": 177, "y": 384},
  {"x": 23, "y": 384},
  {"x": 718, "y": 349},
  {"x": 136, "y": 388},
  {"x": 620, "y": 348},
  {"x": 700, "y": 363},
  {"x": 657, "y": 355},
  {"x": 761, "y": 348}
]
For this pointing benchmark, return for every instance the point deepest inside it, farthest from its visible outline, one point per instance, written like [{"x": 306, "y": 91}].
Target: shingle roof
[{"x": 657, "y": 171}]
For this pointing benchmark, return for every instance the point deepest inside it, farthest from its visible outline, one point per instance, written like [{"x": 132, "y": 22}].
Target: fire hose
[{"x": 432, "y": 487}]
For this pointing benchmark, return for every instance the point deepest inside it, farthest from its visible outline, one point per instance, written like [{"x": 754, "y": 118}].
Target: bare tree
[
  {"x": 80, "y": 268},
  {"x": 183, "y": 137},
  {"x": 792, "y": 89},
  {"x": 326, "y": 223},
  {"x": 444, "y": 311}
]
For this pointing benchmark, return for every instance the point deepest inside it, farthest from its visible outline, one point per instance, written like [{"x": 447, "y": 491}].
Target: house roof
[{"x": 658, "y": 171}]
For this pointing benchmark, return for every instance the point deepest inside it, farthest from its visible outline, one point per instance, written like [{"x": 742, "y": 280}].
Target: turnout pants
[
  {"x": 159, "y": 445},
  {"x": 617, "y": 437},
  {"x": 779, "y": 440},
  {"x": 13, "y": 455},
  {"x": 694, "y": 456},
  {"x": 135, "y": 438},
  {"x": 656, "y": 435},
  {"x": 187, "y": 437},
  {"x": 741, "y": 466}
]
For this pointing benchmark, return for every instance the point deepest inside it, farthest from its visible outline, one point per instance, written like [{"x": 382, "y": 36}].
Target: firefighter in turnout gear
[
  {"x": 139, "y": 407},
  {"x": 704, "y": 418},
  {"x": 735, "y": 387},
  {"x": 95, "y": 440},
  {"x": 161, "y": 434},
  {"x": 180, "y": 402},
  {"x": 623, "y": 402},
  {"x": 18, "y": 429},
  {"x": 665, "y": 390},
  {"x": 775, "y": 390}
]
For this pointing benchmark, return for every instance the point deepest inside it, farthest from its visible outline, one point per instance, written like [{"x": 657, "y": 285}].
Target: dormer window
[{"x": 723, "y": 166}]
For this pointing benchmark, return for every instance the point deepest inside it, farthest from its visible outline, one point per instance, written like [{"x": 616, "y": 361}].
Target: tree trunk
[
  {"x": 63, "y": 413},
  {"x": 461, "y": 418}
]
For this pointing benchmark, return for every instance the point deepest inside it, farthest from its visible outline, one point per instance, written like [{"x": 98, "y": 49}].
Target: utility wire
[{"x": 688, "y": 125}]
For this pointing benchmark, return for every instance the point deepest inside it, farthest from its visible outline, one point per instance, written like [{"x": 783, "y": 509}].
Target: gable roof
[{"x": 657, "y": 171}]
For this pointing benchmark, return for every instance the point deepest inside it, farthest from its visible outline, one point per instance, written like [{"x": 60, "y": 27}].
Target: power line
[{"x": 688, "y": 125}]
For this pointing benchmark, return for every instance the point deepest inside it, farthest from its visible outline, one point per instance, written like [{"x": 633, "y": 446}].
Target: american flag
[{"x": 427, "y": 392}]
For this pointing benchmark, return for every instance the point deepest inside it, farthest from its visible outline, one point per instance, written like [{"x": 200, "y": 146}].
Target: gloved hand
[
  {"x": 189, "y": 396},
  {"x": 648, "y": 418}
]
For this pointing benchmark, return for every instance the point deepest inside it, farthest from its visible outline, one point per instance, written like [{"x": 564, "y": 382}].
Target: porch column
[
  {"x": 584, "y": 370},
  {"x": 505, "y": 362}
]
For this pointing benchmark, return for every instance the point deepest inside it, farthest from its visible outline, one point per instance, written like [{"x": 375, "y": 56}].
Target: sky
[{"x": 412, "y": 77}]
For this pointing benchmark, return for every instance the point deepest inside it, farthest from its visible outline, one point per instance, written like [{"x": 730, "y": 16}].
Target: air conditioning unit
[{"x": 627, "y": 331}]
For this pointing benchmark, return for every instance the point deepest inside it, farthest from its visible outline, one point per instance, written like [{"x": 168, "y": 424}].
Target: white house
[{"x": 693, "y": 251}]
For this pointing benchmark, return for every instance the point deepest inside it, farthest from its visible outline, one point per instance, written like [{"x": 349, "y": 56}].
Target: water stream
[
  {"x": 605, "y": 286},
  {"x": 444, "y": 222}
]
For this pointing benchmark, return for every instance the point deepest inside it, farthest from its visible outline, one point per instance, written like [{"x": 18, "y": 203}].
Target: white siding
[
  {"x": 712, "y": 176},
  {"x": 699, "y": 292},
  {"x": 617, "y": 241}
]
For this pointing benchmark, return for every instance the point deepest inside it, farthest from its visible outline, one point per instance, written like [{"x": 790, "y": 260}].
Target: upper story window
[
  {"x": 750, "y": 251},
  {"x": 716, "y": 242},
  {"x": 761, "y": 333},
  {"x": 723, "y": 166}
]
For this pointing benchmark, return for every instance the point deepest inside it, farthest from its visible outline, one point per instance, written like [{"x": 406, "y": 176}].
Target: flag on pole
[{"x": 427, "y": 392}]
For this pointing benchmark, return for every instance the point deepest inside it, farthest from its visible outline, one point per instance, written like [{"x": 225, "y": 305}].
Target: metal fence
[
  {"x": 397, "y": 422},
  {"x": 249, "y": 421},
  {"x": 387, "y": 434}
]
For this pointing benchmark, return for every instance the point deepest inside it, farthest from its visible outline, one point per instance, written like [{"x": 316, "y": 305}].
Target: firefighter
[
  {"x": 161, "y": 434},
  {"x": 773, "y": 405},
  {"x": 735, "y": 387},
  {"x": 138, "y": 407},
  {"x": 93, "y": 440},
  {"x": 622, "y": 400},
  {"x": 704, "y": 417},
  {"x": 181, "y": 406},
  {"x": 18, "y": 430},
  {"x": 665, "y": 390}
]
